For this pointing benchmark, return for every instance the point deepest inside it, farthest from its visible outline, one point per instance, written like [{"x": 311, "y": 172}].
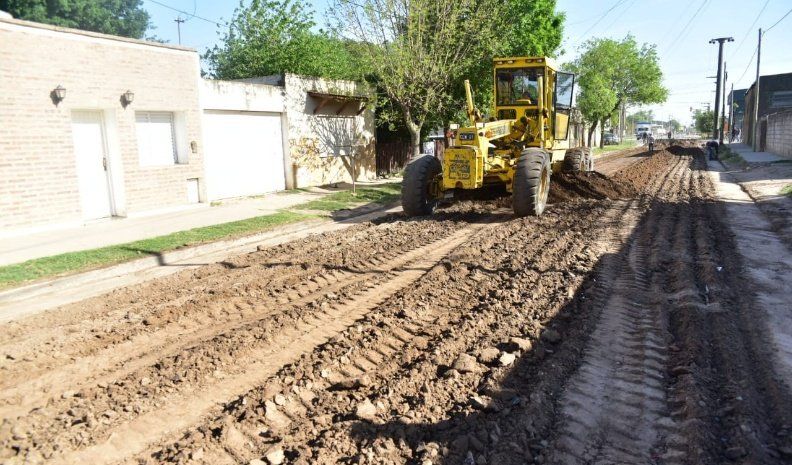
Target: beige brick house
[
  {"x": 94, "y": 154},
  {"x": 94, "y": 126}
]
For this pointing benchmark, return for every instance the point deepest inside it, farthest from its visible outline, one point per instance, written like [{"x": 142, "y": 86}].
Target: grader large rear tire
[
  {"x": 575, "y": 161},
  {"x": 531, "y": 183},
  {"x": 417, "y": 195}
]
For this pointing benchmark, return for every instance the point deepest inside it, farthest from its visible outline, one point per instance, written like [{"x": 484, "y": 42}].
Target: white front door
[{"x": 90, "y": 150}]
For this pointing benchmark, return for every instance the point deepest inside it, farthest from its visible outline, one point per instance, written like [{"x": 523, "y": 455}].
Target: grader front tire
[
  {"x": 531, "y": 183},
  {"x": 418, "y": 198}
]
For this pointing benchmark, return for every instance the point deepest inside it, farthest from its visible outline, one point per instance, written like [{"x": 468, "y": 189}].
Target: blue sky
[{"x": 686, "y": 56}]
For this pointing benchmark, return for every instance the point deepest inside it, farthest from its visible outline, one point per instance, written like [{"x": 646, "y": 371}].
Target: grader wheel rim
[{"x": 544, "y": 190}]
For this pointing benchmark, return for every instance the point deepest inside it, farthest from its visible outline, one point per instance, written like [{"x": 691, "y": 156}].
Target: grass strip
[
  {"x": 73, "y": 262},
  {"x": 612, "y": 148},
  {"x": 382, "y": 193}
]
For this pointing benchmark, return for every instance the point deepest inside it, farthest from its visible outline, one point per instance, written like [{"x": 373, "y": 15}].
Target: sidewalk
[
  {"x": 43, "y": 295},
  {"x": 747, "y": 153},
  {"x": 122, "y": 230}
]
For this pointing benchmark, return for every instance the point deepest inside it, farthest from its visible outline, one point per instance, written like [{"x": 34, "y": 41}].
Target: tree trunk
[
  {"x": 415, "y": 138},
  {"x": 602, "y": 134},
  {"x": 591, "y": 133}
]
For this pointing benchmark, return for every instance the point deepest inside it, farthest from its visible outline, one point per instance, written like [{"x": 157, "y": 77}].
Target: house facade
[
  {"x": 774, "y": 103},
  {"x": 94, "y": 126}
]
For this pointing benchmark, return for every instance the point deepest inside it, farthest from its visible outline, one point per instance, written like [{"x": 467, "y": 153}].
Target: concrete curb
[{"x": 33, "y": 298}]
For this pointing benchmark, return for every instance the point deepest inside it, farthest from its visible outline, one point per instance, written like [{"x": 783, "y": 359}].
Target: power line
[
  {"x": 602, "y": 17},
  {"x": 217, "y": 23},
  {"x": 776, "y": 23},
  {"x": 615, "y": 20},
  {"x": 748, "y": 65},
  {"x": 684, "y": 29},
  {"x": 757, "y": 47},
  {"x": 589, "y": 19},
  {"x": 750, "y": 28}
]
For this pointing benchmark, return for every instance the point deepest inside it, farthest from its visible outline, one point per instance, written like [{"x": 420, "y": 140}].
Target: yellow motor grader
[{"x": 525, "y": 140}]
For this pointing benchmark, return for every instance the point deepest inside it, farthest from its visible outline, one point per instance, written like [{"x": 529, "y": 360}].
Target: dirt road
[{"x": 616, "y": 328}]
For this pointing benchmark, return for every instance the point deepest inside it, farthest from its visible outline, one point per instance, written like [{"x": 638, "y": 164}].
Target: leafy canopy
[
  {"x": 419, "y": 48},
  {"x": 534, "y": 28},
  {"x": 704, "y": 121},
  {"x": 421, "y": 51},
  {"x": 613, "y": 72},
  {"x": 274, "y": 37},
  {"x": 118, "y": 17}
]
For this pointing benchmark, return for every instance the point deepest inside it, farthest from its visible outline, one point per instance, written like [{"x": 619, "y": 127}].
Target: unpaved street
[{"x": 622, "y": 326}]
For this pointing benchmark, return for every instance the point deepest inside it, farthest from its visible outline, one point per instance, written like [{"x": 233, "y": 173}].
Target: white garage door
[{"x": 244, "y": 154}]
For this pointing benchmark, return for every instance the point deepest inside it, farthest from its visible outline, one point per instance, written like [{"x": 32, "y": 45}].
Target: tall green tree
[
  {"x": 533, "y": 28},
  {"x": 612, "y": 72},
  {"x": 118, "y": 17},
  {"x": 276, "y": 36},
  {"x": 419, "y": 49},
  {"x": 703, "y": 121}
]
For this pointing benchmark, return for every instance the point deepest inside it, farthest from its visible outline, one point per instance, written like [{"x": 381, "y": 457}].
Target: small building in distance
[{"x": 774, "y": 122}]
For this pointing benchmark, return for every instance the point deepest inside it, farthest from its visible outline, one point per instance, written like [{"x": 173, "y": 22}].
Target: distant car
[{"x": 611, "y": 139}]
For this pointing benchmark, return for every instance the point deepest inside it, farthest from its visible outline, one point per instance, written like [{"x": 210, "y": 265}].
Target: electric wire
[
  {"x": 776, "y": 23},
  {"x": 604, "y": 15},
  {"x": 682, "y": 33},
  {"x": 756, "y": 49},
  {"x": 217, "y": 23},
  {"x": 750, "y": 28},
  {"x": 591, "y": 18}
]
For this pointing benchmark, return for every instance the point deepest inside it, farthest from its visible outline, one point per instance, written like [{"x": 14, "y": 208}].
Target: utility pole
[
  {"x": 723, "y": 108},
  {"x": 720, "y": 42},
  {"x": 756, "y": 96},
  {"x": 179, "y": 21},
  {"x": 731, "y": 113}
]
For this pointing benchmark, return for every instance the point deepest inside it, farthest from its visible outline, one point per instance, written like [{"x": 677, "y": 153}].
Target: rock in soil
[
  {"x": 466, "y": 363},
  {"x": 488, "y": 355},
  {"x": 366, "y": 411}
]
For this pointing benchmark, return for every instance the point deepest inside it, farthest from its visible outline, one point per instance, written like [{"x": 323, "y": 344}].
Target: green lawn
[
  {"x": 611, "y": 148},
  {"x": 383, "y": 193},
  {"x": 73, "y": 262}
]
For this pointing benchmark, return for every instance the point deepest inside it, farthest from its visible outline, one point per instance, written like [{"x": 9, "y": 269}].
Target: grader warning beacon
[{"x": 518, "y": 148}]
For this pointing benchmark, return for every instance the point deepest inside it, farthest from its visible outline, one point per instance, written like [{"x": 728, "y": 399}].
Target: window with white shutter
[{"x": 156, "y": 138}]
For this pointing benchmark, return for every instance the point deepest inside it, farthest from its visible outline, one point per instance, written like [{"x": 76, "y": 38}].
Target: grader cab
[{"x": 525, "y": 140}]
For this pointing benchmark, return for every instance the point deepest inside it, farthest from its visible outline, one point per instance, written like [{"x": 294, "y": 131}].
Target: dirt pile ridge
[
  {"x": 596, "y": 186},
  {"x": 615, "y": 328}
]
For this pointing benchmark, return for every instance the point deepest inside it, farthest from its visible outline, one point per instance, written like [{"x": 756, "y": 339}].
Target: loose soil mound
[{"x": 571, "y": 186}]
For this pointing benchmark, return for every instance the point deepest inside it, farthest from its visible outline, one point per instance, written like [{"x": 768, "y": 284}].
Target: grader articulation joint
[{"x": 525, "y": 140}]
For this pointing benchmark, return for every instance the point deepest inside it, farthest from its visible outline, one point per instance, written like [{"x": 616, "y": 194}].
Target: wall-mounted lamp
[
  {"x": 58, "y": 94},
  {"x": 127, "y": 98}
]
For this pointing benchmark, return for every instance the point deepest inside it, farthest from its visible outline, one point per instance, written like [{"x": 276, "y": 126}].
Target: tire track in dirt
[
  {"x": 120, "y": 360},
  {"x": 186, "y": 409},
  {"x": 395, "y": 376},
  {"x": 614, "y": 408},
  {"x": 733, "y": 407}
]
